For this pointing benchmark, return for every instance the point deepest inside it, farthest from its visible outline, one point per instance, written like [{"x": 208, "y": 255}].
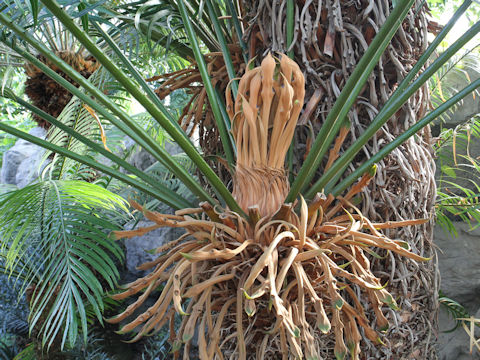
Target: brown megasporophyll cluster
[
  {"x": 266, "y": 285},
  {"x": 45, "y": 93}
]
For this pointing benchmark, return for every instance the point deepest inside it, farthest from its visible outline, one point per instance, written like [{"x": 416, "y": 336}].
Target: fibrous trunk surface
[{"x": 329, "y": 39}]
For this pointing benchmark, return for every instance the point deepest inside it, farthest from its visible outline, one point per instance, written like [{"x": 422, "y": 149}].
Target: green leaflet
[{"x": 55, "y": 246}]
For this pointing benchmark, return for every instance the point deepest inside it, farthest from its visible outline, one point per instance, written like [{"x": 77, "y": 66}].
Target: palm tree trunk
[{"x": 330, "y": 37}]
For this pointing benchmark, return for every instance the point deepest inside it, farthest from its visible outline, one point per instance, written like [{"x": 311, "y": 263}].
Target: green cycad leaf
[
  {"x": 454, "y": 309},
  {"x": 166, "y": 178},
  {"x": 60, "y": 246},
  {"x": 79, "y": 117}
]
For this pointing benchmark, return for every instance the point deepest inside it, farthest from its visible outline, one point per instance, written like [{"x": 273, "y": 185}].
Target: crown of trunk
[{"x": 264, "y": 116}]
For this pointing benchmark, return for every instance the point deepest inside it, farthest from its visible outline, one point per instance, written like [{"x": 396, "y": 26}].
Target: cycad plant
[
  {"x": 277, "y": 273},
  {"x": 43, "y": 92},
  {"x": 262, "y": 267}
]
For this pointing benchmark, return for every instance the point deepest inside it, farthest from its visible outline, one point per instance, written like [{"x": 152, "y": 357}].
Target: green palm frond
[
  {"x": 161, "y": 23},
  {"x": 60, "y": 246},
  {"x": 83, "y": 120},
  {"x": 41, "y": 24},
  {"x": 117, "y": 116},
  {"x": 163, "y": 176},
  {"x": 153, "y": 188},
  {"x": 143, "y": 27}
]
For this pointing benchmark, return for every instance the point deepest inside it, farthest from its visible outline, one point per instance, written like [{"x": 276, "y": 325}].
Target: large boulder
[
  {"x": 142, "y": 160},
  {"x": 470, "y": 106},
  {"x": 137, "y": 156},
  {"x": 22, "y": 162},
  {"x": 459, "y": 264}
]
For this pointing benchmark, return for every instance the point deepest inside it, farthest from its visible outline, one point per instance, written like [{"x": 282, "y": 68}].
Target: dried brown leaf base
[{"x": 263, "y": 288}]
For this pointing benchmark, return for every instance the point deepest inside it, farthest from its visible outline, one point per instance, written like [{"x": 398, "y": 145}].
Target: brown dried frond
[
  {"x": 264, "y": 116},
  {"x": 266, "y": 289},
  {"x": 47, "y": 94}
]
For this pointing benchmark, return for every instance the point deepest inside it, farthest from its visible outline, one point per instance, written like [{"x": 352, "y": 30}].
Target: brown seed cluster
[{"x": 48, "y": 95}]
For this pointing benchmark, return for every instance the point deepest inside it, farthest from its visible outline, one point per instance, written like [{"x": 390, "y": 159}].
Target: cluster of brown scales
[{"x": 266, "y": 286}]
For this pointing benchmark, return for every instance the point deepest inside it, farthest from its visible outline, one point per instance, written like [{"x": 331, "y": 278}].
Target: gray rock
[
  {"x": 459, "y": 264},
  {"x": 24, "y": 156},
  {"x": 30, "y": 169},
  {"x": 141, "y": 159},
  {"x": 470, "y": 105},
  {"x": 11, "y": 162},
  {"x": 36, "y": 131},
  {"x": 453, "y": 345},
  {"x": 137, "y": 247},
  {"x": 172, "y": 148}
]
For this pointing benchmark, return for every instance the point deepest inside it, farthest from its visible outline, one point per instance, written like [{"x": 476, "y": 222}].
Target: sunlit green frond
[{"x": 60, "y": 246}]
